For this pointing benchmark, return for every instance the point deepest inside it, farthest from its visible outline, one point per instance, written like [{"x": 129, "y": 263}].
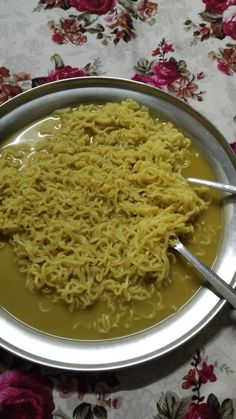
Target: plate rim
[{"x": 90, "y": 81}]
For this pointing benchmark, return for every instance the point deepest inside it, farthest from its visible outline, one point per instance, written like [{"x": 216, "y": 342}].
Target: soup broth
[{"x": 38, "y": 311}]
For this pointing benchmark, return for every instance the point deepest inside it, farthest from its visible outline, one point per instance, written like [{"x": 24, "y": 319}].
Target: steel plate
[{"x": 40, "y": 347}]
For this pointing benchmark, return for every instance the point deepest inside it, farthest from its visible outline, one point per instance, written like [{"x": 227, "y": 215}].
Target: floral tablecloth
[{"x": 187, "y": 48}]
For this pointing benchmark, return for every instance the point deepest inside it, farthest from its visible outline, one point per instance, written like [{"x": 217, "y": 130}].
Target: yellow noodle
[{"x": 92, "y": 210}]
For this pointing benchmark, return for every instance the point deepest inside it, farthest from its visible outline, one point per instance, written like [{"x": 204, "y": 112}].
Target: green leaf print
[{"x": 170, "y": 406}]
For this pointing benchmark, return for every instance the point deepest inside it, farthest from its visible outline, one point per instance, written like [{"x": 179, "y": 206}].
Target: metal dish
[{"x": 166, "y": 336}]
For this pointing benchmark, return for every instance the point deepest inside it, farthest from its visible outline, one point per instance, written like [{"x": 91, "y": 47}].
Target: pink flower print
[
  {"x": 229, "y": 22},
  {"x": 66, "y": 72},
  {"x": 167, "y": 48},
  {"x": 144, "y": 79},
  {"x": 24, "y": 397},
  {"x": 216, "y": 6},
  {"x": 201, "y": 411},
  {"x": 98, "y": 7},
  {"x": 166, "y": 72},
  {"x": 231, "y": 3}
]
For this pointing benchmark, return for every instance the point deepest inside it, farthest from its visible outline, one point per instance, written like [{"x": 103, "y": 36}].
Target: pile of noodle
[{"x": 93, "y": 208}]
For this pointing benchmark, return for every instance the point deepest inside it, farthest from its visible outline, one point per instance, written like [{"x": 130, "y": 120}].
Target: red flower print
[
  {"x": 222, "y": 66},
  {"x": 229, "y": 55},
  {"x": 97, "y": 7},
  {"x": 70, "y": 30},
  {"x": 206, "y": 373},
  {"x": 226, "y": 60},
  {"x": 229, "y": 22},
  {"x": 70, "y": 26},
  {"x": 147, "y": 9},
  {"x": 59, "y": 38},
  {"x": 219, "y": 19},
  {"x": 198, "y": 408},
  {"x": 214, "y": 31},
  {"x": 204, "y": 32},
  {"x": 123, "y": 26},
  {"x": 7, "y": 92},
  {"x": 216, "y": 6},
  {"x": 190, "y": 379},
  {"x": 24, "y": 397},
  {"x": 201, "y": 411},
  {"x": 22, "y": 76},
  {"x": 167, "y": 48},
  {"x": 12, "y": 84},
  {"x": 156, "y": 51},
  {"x": 66, "y": 72},
  {"x": 117, "y": 23},
  {"x": 77, "y": 38},
  {"x": 163, "y": 49},
  {"x": 4, "y": 74}
]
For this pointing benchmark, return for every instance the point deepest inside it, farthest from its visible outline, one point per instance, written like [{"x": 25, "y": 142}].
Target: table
[{"x": 187, "y": 48}]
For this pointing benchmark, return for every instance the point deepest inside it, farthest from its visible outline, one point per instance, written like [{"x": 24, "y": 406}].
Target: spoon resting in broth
[
  {"x": 214, "y": 185},
  {"x": 220, "y": 287}
]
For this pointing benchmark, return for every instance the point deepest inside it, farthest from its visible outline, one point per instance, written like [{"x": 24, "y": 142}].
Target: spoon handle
[
  {"x": 218, "y": 284},
  {"x": 214, "y": 185}
]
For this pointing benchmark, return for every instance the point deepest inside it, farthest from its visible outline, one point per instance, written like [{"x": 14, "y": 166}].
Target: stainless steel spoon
[
  {"x": 220, "y": 286},
  {"x": 214, "y": 185}
]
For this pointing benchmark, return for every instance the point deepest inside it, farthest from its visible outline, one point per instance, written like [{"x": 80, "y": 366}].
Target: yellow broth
[{"x": 36, "y": 310}]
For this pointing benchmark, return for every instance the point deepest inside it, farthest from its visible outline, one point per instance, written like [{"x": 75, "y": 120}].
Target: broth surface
[{"x": 39, "y": 312}]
